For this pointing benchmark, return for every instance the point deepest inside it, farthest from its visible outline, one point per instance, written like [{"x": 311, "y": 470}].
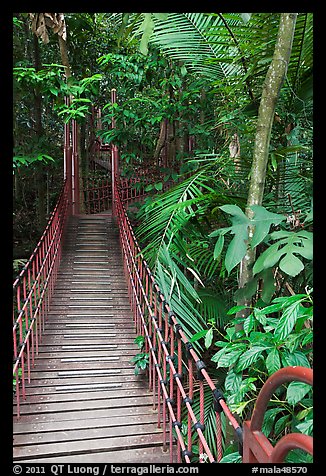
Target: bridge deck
[{"x": 84, "y": 403}]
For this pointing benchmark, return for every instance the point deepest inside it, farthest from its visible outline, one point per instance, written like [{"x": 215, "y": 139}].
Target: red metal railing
[
  {"x": 33, "y": 289},
  {"x": 97, "y": 195},
  {"x": 171, "y": 375}
]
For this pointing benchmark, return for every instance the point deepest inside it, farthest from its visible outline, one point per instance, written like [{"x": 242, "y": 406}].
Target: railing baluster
[{"x": 34, "y": 286}]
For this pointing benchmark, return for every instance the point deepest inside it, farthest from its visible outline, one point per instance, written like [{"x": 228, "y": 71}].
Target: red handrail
[
  {"x": 156, "y": 321},
  {"x": 33, "y": 289}
]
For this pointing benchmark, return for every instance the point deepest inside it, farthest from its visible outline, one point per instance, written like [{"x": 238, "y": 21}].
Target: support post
[
  {"x": 114, "y": 156},
  {"x": 67, "y": 159},
  {"x": 75, "y": 170}
]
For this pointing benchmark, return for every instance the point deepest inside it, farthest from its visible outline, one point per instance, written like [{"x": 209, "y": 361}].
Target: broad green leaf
[
  {"x": 249, "y": 324},
  {"x": 287, "y": 321},
  {"x": 260, "y": 316},
  {"x": 249, "y": 357},
  {"x": 236, "y": 309},
  {"x": 296, "y": 391},
  {"x": 273, "y": 362},
  {"x": 161, "y": 16},
  {"x": 232, "y": 458},
  {"x": 147, "y": 27},
  {"x": 236, "y": 250},
  {"x": 295, "y": 358},
  {"x": 229, "y": 358},
  {"x": 158, "y": 186},
  {"x": 233, "y": 381},
  {"x": 263, "y": 220},
  {"x": 291, "y": 265},
  {"x": 272, "y": 308},
  {"x": 269, "y": 285},
  {"x": 260, "y": 263}
]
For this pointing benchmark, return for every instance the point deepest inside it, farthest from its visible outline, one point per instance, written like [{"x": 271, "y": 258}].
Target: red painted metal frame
[
  {"x": 33, "y": 289},
  {"x": 256, "y": 447}
]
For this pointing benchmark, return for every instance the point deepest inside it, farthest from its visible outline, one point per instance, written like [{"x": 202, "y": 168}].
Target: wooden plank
[
  {"x": 86, "y": 415},
  {"x": 22, "y": 429},
  {"x": 72, "y": 435},
  {"x": 107, "y": 395},
  {"x": 89, "y": 446},
  {"x": 60, "y": 407},
  {"x": 151, "y": 454}
]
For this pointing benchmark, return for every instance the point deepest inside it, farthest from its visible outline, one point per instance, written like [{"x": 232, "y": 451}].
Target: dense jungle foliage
[{"x": 189, "y": 89}]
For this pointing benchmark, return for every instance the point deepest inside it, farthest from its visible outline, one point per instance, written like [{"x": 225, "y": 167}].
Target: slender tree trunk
[
  {"x": 40, "y": 173},
  {"x": 161, "y": 140},
  {"x": 271, "y": 89}
]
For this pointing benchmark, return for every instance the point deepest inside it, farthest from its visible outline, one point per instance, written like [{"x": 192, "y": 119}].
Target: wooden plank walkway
[{"x": 84, "y": 403}]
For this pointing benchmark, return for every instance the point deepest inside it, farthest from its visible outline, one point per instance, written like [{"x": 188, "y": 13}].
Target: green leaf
[
  {"x": 161, "y": 16},
  {"x": 158, "y": 186},
  {"x": 209, "y": 338},
  {"x": 291, "y": 265},
  {"x": 269, "y": 285},
  {"x": 269, "y": 420},
  {"x": 263, "y": 220},
  {"x": 273, "y": 362},
  {"x": 147, "y": 27},
  {"x": 281, "y": 424},
  {"x": 287, "y": 321},
  {"x": 198, "y": 335},
  {"x": 249, "y": 357},
  {"x": 229, "y": 358},
  {"x": 236, "y": 250},
  {"x": 306, "y": 427},
  {"x": 219, "y": 246},
  {"x": 236, "y": 309},
  {"x": 296, "y": 391},
  {"x": 233, "y": 381},
  {"x": 231, "y": 458},
  {"x": 249, "y": 324},
  {"x": 295, "y": 358}
]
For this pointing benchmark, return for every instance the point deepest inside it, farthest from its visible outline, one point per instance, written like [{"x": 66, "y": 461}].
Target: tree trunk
[
  {"x": 64, "y": 56},
  {"x": 40, "y": 173},
  {"x": 160, "y": 141},
  {"x": 270, "y": 93}
]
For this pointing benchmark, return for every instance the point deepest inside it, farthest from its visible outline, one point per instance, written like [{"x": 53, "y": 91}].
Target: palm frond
[
  {"x": 189, "y": 37},
  {"x": 167, "y": 216}
]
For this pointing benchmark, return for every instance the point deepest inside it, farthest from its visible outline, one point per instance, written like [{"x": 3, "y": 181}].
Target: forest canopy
[{"x": 219, "y": 107}]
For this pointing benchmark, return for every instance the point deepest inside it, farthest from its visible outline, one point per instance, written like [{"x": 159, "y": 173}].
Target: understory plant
[
  {"x": 141, "y": 359},
  {"x": 273, "y": 337}
]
